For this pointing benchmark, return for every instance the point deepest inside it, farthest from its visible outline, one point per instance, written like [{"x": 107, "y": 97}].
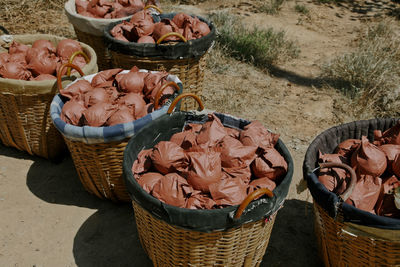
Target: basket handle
[
  {"x": 73, "y": 56},
  {"x": 259, "y": 192},
  {"x": 171, "y": 34},
  {"x": 59, "y": 74},
  {"x": 158, "y": 95},
  {"x": 346, "y": 194},
  {"x": 155, "y": 7},
  {"x": 179, "y": 97},
  {"x": 4, "y": 30}
]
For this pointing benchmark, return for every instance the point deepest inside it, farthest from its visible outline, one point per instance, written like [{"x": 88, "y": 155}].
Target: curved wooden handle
[
  {"x": 158, "y": 95},
  {"x": 346, "y": 194},
  {"x": 73, "y": 56},
  {"x": 155, "y": 7},
  {"x": 179, "y": 97},
  {"x": 250, "y": 198},
  {"x": 59, "y": 74},
  {"x": 171, "y": 34}
]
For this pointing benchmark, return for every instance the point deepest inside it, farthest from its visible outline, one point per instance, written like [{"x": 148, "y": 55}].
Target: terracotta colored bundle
[
  {"x": 377, "y": 167},
  {"x": 112, "y": 97},
  {"x": 206, "y": 166},
  {"x": 142, "y": 29},
  {"x": 40, "y": 61},
  {"x": 109, "y": 9}
]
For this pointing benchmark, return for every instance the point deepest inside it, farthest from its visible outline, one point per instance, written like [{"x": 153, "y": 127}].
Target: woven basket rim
[
  {"x": 311, "y": 177},
  {"x": 31, "y": 87}
]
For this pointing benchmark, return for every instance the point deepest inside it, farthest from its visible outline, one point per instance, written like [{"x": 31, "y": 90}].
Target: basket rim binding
[
  {"x": 214, "y": 219},
  {"x": 177, "y": 51},
  {"x": 330, "y": 202},
  {"x": 104, "y": 134},
  {"x": 31, "y": 87}
]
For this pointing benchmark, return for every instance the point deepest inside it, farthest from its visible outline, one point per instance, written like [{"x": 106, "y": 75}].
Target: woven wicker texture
[
  {"x": 97, "y": 43},
  {"x": 340, "y": 246},
  {"x": 167, "y": 245},
  {"x": 99, "y": 168},
  {"x": 190, "y": 71},
  {"x": 26, "y": 125},
  {"x": 25, "y": 121}
]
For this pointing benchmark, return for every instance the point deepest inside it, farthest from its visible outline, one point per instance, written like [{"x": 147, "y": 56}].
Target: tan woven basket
[
  {"x": 347, "y": 244},
  {"x": 25, "y": 122},
  {"x": 99, "y": 168},
  {"x": 168, "y": 245},
  {"x": 99, "y": 165},
  {"x": 190, "y": 71}
]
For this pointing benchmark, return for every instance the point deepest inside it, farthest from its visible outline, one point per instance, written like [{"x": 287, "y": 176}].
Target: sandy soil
[{"x": 48, "y": 219}]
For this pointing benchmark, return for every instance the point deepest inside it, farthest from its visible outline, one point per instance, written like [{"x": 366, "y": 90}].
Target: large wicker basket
[
  {"x": 24, "y": 108},
  {"x": 97, "y": 152},
  {"x": 348, "y": 236},
  {"x": 90, "y": 31},
  {"x": 168, "y": 245},
  {"x": 172, "y": 236},
  {"x": 184, "y": 59}
]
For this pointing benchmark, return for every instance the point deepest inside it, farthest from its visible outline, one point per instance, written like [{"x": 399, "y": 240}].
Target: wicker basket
[
  {"x": 24, "y": 109},
  {"x": 98, "y": 161},
  {"x": 168, "y": 245},
  {"x": 172, "y": 236},
  {"x": 185, "y": 59},
  {"x": 348, "y": 237}
]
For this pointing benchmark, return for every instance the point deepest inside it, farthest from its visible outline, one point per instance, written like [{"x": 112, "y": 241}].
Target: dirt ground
[{"x": 48, "y": 219}]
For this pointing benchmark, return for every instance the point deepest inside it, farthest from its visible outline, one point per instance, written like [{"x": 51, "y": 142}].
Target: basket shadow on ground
[
  {"x": 293, "y": 241},
  {"x": 59, "y": 184},
  {"x": 15, "y": 153},
  {"x": 109, "y": 238}
]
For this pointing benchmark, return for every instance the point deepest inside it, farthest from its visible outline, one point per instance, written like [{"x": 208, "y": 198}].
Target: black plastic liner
[
  {"x": 200, "y": 220},
  {"x": 327, "y": 142},
  {"x": 191, "y": 49}
]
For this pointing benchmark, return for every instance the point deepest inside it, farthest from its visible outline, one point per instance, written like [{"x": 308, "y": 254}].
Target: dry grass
[
  {"x": 301, "y": 9},
  {"x": 271, "y": 7},
  {"x": 370, "y": 75},
  {"x": 40, "y": 16},
  {"x": 262, "y": 47}
]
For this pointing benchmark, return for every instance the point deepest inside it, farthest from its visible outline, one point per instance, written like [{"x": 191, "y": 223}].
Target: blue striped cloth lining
[{"x": 96, "y": 135}]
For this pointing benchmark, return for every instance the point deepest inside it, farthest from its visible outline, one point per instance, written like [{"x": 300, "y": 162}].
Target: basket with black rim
[
  {"x": 185, "y": 59},
  {"x": 348, "y": 236},
  {"x": 172, "y": 236}
]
